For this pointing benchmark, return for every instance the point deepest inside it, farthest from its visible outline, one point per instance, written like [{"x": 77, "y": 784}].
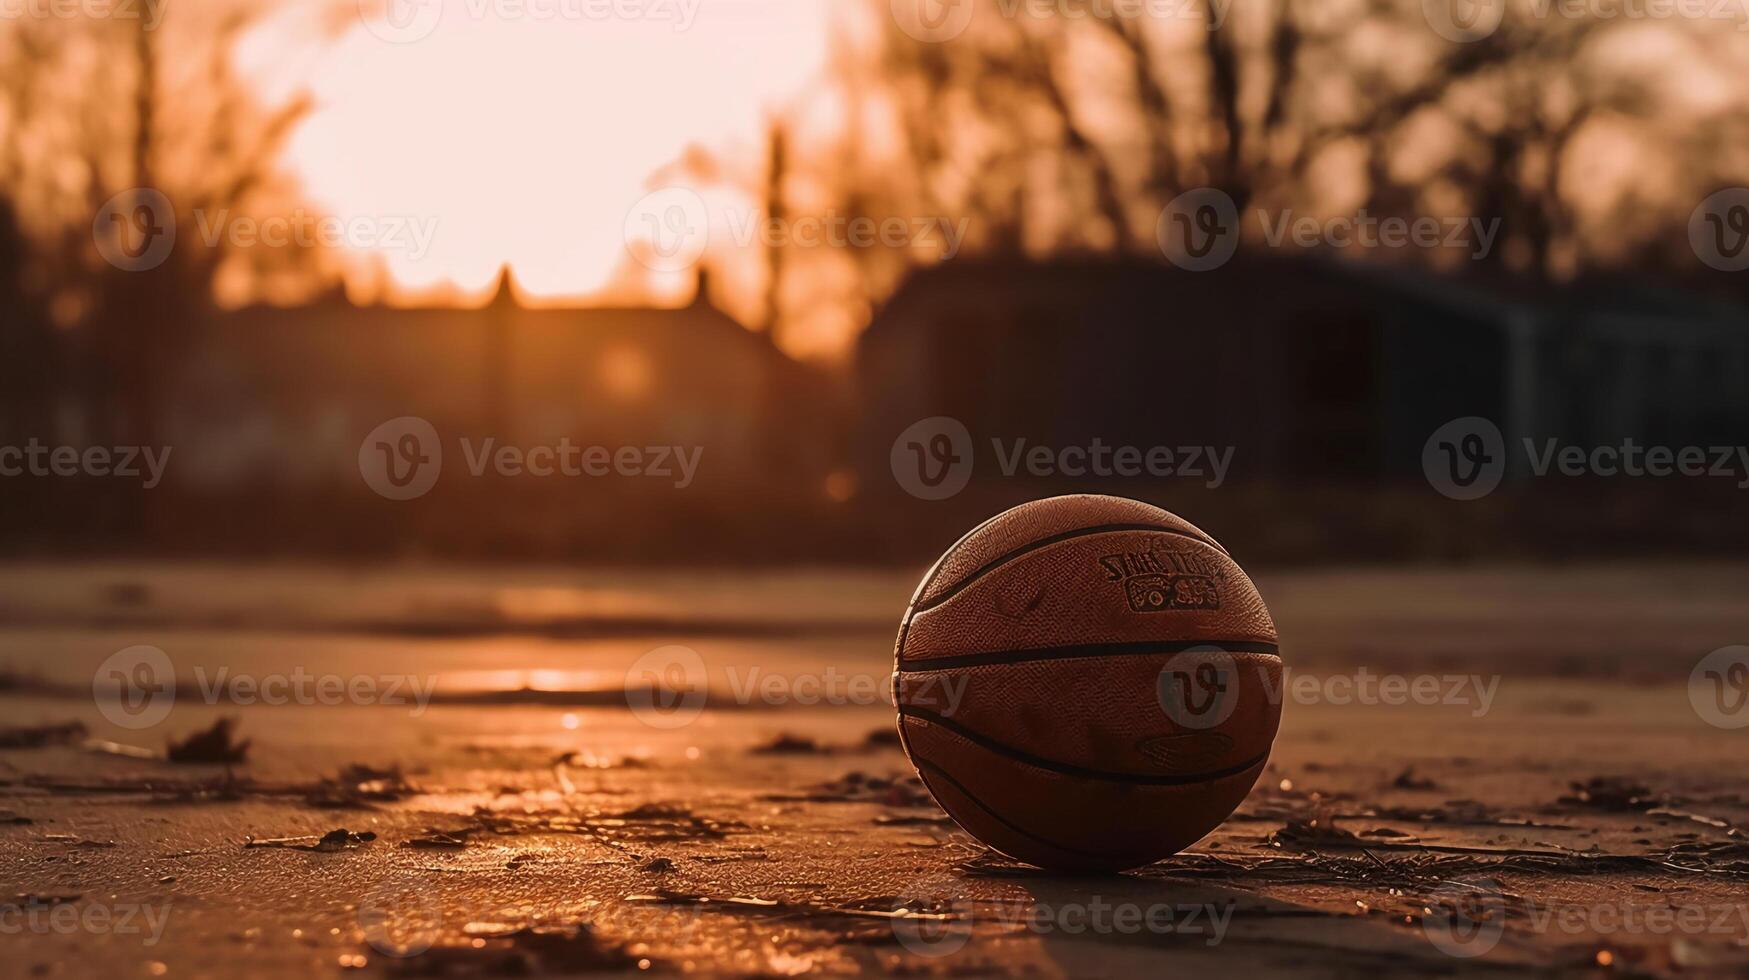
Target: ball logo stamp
[
  {"x": 400, "y": 21},
  {"x": 931, "y": 917},
  {"x": 1718, "y": 230},
  {"x": 668, "y": 230},
  {"x": 933, "y": 21},
  {"x": 1465, "y": 919},
  {"x": 135, "y": 687},
  {"x": 1199, "y": 688},
  {"x": 402, "y": 458},
  {"x": 932, "y": 458},
  {"x": 1718, "y": 688},
  {"x": 667, "y": 688},
  {"x": 400, "y": 918},
  {"x": 1465, "y": 458},
  {"x": 1199, "y": 229},
  {"x": 135, "y": 230},
  {"x": 1463, "y": 21},
  {"x": 1163, "y": 580}
]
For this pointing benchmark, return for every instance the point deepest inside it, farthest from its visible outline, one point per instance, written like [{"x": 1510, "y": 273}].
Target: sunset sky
[{"x": 530, "y": 136}]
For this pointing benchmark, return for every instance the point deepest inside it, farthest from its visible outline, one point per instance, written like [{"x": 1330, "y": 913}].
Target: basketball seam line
[
  {"x": 1131, "y": 648},
  {"x": 924, "y": 604},
  {"x": 1063, "y": 768},
  {"x": 972, "y": 798}
]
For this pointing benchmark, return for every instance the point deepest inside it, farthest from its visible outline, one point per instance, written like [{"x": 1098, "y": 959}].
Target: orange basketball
[{"x": 1087, "y": 683}]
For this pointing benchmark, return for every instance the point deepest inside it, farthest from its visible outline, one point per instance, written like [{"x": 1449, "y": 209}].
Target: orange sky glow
[{"x": 528, "y": 130}]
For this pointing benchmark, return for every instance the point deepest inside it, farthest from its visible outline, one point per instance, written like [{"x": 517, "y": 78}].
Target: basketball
[{"x": 1087, "y": 683}]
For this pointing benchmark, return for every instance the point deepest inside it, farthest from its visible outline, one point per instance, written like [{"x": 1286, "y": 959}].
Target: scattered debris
[
  {"x": 1408, "y": 780},
  {"x": 1317, "y": 830},
  {"x": 74, "y": 840},
  {"x": 585, "y": 759},
  {"x": 103, "y": 746},
  {"x": 1612, "y": 793},
  {"x": 855, "y": 787},
  {"x": 647, "y": 823},
  {"x": 1700, "y": 818},
  {"x": 41, "y": 736},
  {"x": 453, "y": 840},
  {"x": 522, "y": 951},
  {"x": 788, "y": 744},
  {"x": 334, "y": 840},
  {"x": 914, "y": 819},
  {"x": 214, "y": 745},
  {"x": 886, "y": 737},
  {"x": 358, "y": 787}
]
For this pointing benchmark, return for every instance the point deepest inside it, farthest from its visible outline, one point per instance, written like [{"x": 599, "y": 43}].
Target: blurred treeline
[{"x": 1055, "y": 133}]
